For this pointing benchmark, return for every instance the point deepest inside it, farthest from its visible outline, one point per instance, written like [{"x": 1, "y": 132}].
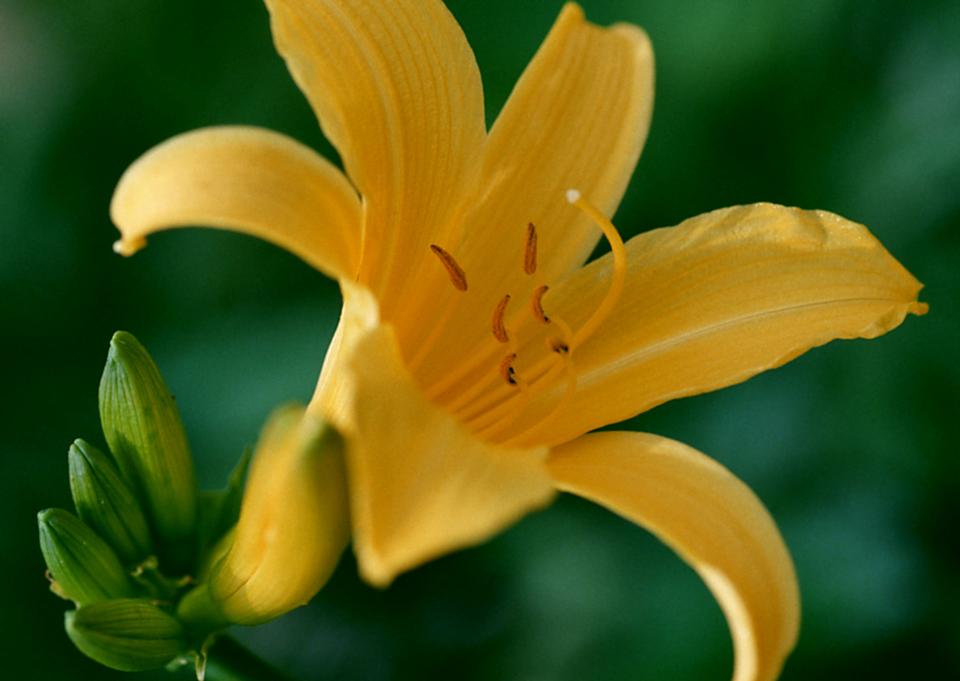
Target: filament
[
  {"x": 489, "y": 410},
  {"x": 496, "y": 417}
]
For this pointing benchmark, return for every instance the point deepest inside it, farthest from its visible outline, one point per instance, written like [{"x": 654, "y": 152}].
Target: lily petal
[
  {"x": 711, "y": 519},
  {"x": 333, "y": 398},
  {"x": 716, "y": 300},
  {"x": 398, "y": 93},
  {"x": 578, "y": 117},
  {"x": 420, "y": 483},
  {"x": 248, "y": 180}
]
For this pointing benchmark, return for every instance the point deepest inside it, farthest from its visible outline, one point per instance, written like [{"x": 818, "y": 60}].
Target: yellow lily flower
[{"x": 476, "y": 352}]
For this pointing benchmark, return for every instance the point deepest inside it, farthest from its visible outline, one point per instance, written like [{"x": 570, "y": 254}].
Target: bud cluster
[{"x": 154, "y": 566}]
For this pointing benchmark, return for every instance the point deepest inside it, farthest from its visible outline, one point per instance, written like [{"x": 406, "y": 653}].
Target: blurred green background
[{"x": 836, "y": 104}]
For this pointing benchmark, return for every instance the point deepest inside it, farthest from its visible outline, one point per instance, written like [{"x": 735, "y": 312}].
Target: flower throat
[{"x": 490, "y": 418}]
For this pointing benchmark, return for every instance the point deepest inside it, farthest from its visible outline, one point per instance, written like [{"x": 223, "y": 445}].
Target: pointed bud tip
[
  {"x": 125, "y": 341},
  {"x": 125, "y": 350},
  {"x": 45, "y": 518},
  {"x": 80, "y": 449}
]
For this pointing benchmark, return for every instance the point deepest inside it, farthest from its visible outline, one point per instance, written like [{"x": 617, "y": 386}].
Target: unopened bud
[
  {"x": 84, "y": 568},
  {"x": 127, "y": 634},
  {"x": 142, "y": 426},
  {"x": 105, "y": 502},
  {"x": 294, "y": 521}
]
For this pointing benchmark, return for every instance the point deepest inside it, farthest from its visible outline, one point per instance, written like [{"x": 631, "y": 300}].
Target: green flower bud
[
  {"x": 84, "y": 568},
  {"x": 142, "y": 426},
  {"x": 105, "y": 502},
  {"x": 126, "y": 634}
]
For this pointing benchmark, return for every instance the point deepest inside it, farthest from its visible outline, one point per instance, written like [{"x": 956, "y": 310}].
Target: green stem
[{"x": 227, "y": 660}]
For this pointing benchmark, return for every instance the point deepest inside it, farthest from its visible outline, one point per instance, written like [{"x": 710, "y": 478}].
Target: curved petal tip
[{"x": 127, "y": 247}]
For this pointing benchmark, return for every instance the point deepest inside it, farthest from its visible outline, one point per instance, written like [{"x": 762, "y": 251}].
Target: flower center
[{"x": 490, "y": 410}]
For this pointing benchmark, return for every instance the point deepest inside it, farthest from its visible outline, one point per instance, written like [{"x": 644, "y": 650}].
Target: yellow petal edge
[
  {"x": 397, "y": 91},
  {"x": 717, "y": 299},
  {"x": 247, "y": 180},
  {"x": 421, "y": 484},
  {"x": 711, "y": 519}
]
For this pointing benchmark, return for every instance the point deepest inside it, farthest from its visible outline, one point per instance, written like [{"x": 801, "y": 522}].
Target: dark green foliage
[{"x": 846, "y": 105}]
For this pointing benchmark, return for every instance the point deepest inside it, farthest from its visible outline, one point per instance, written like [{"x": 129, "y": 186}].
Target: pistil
[
  {"x": 493, "y": 419},
  {"x": 618, "y": 276}
]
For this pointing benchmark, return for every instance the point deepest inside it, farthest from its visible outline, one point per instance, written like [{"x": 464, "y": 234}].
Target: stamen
[
  {"x": 464, "y": 398},
  {"x": 495, "y": 415},
  {"x": 618, "y": 276},
  {"x": 457, "y": 276},
  {"x": 536, "y": 303},
  {"x": 566, "y": 337},
  {"x": 491, "y": 423},
  {"x": 530, "y": 253},
  {"x": 499, "y": 330},
  {"x": 507, "y": 371},
  {"x": 561, "y": 346}
]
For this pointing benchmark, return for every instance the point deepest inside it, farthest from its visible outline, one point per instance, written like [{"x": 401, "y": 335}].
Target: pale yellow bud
[{"x": 294, "y": 521}]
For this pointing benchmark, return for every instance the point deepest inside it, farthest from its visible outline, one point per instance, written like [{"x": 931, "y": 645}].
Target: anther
[
  {"x": 530, "y": 253},
  {"x": 536, "y": 303},
  {"x": 499, "y": 330},
  {"x": 507, "y": 371},
  {"x": 457, "y": 276}
]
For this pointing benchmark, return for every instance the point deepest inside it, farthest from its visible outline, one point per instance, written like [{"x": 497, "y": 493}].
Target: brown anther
[
  {"x": 499, "y": 330},
  {"x": 506, "y": 369},
  {"x": 457, "y": 276},
  {"x": 530, "y": 253},
  {"x": 537, "y": 305},
  {"x": 559, "y": 347}
]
